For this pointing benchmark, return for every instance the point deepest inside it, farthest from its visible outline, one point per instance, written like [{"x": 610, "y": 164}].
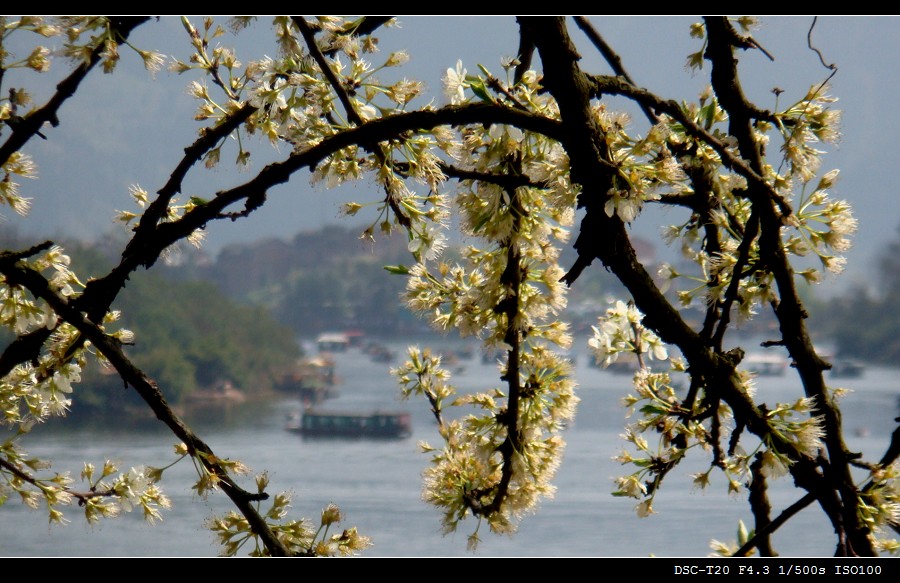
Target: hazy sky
[{"x": 129, "y": 128}]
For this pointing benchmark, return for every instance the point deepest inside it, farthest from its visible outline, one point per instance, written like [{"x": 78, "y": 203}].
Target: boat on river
[
  {"x": 847, "y": 368},
  {"x": 374, "y": 424},
  {"x": 312, "y": 380},
  {"x": 765, "y": 364}
]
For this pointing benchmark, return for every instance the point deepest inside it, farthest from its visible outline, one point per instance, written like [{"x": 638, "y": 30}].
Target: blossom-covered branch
[{"x": 26, "y": 127}]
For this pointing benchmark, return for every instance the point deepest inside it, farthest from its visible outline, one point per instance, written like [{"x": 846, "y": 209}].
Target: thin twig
[
  {"x": 771, "y": 527},
  {"x": 809, "y": 43},
  {"x": 614, "y": 60}
]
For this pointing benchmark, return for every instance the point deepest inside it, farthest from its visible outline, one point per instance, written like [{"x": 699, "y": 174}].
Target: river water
[{"x": 378, "y": 487}]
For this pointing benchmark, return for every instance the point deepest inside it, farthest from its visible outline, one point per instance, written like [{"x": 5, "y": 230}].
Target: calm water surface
[{"x": 377, "y": 483}]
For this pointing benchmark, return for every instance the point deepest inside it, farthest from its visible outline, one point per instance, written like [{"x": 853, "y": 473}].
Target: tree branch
[
  {"x": 759, "y": 505},
  {"x": 614, "y": 86},
  {"x": 30, "y": 126},
  {"x": 310, "y": 37},
  {"x": 737, "y": 274},
  {"x": 605, "y": 237},
  {"x": 764, "y": 532},
  {"x": 511, "y": 280},
  {"x": 524, "y": 54},
  {"x": 159, "y": 207},
  {"x": 99, "y": 293},
  {"x": 614, "y": 60},
  {"x": 352, "y": 114},
  {"x": 385, "y": 128},
  {"x": 840, "y": 500},
  {"x": 150, "y": 393}
]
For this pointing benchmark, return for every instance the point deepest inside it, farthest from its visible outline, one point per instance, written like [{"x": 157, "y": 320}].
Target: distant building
[{"x": 333, "y": 342}]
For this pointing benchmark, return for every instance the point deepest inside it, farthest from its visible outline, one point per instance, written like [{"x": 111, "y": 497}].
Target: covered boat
[{"x": 376, "y": 424}]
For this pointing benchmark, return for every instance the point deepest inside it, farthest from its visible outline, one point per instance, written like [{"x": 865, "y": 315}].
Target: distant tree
[
  {"x": 863, "y": 322},
  {"x": 526, "y": 149},
  {"x": 186, "y": 344}
]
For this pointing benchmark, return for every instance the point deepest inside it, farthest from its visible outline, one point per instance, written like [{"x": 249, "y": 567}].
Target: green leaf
[
  {"x": 397, "y": 269},
  {"x": 482, "y": 221},
  {"x": 708, "y": 113},
  {"x": 478, "y": 88},
  {"x": 653, "y": 409}
]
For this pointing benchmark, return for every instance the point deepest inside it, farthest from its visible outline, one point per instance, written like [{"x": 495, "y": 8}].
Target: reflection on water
[{"x": 377, "y": 483}]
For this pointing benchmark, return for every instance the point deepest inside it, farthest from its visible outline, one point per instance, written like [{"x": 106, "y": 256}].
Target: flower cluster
[
  {"x": 621, "y": 332},
  {"x": 466, "y": 472},
  {"x": 713, "y": 237},
  {"x": 126, "y": 492},
  {"x": 33, "y": 391},
  {"x": 676, "y": 429},
  {"x": 18, "y": 164},
  {"x": 515, "y": 201},
  {"x": 496, "y": 462},
  {"x": 299, "y": 537},
  {"x": 174, "y": 211},
  {"x": 805, "y": 433},
  {"x": 880, "y": 509}
]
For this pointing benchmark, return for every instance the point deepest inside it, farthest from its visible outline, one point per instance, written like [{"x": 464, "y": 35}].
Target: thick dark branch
[
  {"x": 511, "y": 279},
  {"x": 150, "y": 393},
  {"x": 605, "y": 237},
  {"x": 685, "y": 199},
  {"x": 759, "y": 505},
  {"x": 524, "y": 54},
  {"x": 702, "y": 202},
  {"x": 159, "y": 207},
  {"x": 30, "y": 126},
  {"x": 387, "y": 128},
  {"x": 840, "y": 498},
  {"x": 23, "y": 349},
  {"x": 370, "y": 24},
  {"x": 737, "y": 274},
  {"x": 601, "y": 236},
  {"x": 726, "y": 84},
  {"x": 893, "y": 450},
  {"x": 722, "y": 40}
]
